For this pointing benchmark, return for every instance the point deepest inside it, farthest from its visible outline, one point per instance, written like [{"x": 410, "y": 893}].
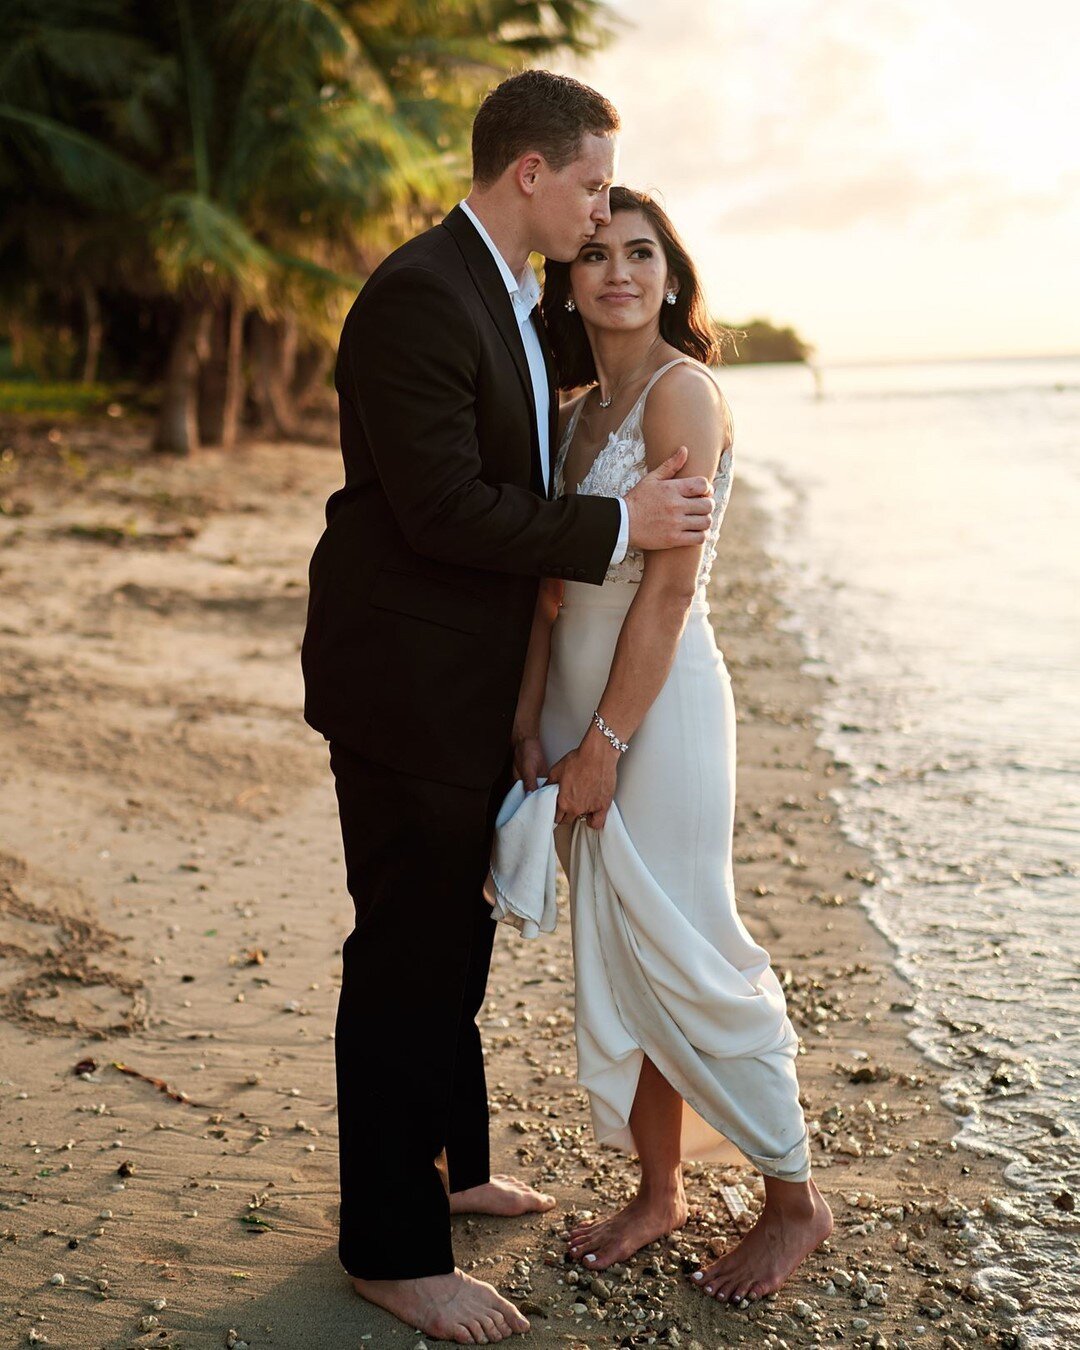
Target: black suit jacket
[{"x": 424, "y": 581}]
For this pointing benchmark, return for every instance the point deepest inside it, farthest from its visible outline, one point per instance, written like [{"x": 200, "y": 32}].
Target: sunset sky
[{"x": 896, "y": 180}]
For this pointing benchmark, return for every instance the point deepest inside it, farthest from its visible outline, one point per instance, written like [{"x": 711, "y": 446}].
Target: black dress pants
[{"x": 410, "y": 1071}]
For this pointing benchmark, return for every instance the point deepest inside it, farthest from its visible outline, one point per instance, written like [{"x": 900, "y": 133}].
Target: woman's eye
[
  {"x": 593, "y": 256},
  {"x": 642, "y": 253}
]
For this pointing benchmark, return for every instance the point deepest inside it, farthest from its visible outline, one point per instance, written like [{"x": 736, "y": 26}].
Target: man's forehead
[{"x": 598, "y": 155}]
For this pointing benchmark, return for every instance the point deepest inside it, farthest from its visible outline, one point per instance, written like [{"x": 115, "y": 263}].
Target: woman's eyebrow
[{"x": 630, "y": 243}]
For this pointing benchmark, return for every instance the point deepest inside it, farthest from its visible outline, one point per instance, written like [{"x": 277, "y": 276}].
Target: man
[{"x": 422, "y": 594}]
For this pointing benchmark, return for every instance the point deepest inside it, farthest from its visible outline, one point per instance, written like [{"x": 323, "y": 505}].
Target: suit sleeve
[{"x": 408, "y": 361}]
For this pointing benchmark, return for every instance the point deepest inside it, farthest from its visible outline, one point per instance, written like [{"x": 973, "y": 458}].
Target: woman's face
[{"x": 619, "y": 277}]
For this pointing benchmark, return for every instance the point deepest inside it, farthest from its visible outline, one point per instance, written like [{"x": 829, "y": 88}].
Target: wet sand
[{"x": 172, "y": 901}]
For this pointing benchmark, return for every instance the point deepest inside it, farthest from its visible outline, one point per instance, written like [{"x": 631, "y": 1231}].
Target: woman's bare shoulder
[{"x": 688, "y": 399}]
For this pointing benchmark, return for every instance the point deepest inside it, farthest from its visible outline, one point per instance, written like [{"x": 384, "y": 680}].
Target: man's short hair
[{"x": 537, "y": 110}]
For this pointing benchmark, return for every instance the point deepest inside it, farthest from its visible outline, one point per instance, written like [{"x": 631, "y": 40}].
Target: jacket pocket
[{"x": 434, "y": 601}]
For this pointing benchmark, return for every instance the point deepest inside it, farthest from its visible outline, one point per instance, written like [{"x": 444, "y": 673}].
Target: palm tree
[{"x": 245, "y": 162}]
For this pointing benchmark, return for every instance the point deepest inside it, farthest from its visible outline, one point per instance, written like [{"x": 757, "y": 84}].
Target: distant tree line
[
  {"x": 194, "y": 189},
  {"x": 760, "y": 341}
]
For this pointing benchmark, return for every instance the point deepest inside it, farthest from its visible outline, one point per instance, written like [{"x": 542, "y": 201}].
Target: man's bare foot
[
  {"x": 603, "y": 1242},
  {"x": 451, "y": 1307},
  {"x": 501, "y": 1195},
  {"x": 788, "y": 1230}
]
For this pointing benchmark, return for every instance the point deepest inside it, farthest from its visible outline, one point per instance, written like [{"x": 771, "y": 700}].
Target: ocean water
[{"x": 927, "y": 522}]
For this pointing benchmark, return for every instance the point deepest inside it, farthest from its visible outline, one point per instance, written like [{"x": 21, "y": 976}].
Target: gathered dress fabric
[{"x": 664, "y": 965}]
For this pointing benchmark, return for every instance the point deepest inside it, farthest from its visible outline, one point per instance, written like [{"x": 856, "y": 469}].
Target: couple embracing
[{"x": 508, "y": 627}]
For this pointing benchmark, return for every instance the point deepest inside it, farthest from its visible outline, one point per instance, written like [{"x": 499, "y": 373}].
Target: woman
[{"x": 681, "y": 1022}]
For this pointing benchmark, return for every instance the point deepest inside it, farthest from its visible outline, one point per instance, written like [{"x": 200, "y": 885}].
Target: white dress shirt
[{"x": 524, "y": 294}]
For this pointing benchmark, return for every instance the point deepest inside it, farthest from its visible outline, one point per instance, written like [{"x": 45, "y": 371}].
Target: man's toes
[
  {"x": 477, "y": 1331},
  {"x": 491, "y": 1331},
  {"x": 500, "y": 1327}
]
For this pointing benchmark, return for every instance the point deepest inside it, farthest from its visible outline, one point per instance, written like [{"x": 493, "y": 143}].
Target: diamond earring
[
  {"x": 570, "y": 306},
  {"x": 671, "y": 297}
]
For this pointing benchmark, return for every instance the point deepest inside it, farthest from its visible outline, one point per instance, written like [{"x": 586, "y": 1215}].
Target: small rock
[
  {"x": 802, "y": 1310},
  {"x": 876, "y": 1295},
  {"x": 859, "y": 1324},
  {"x": 148, "y": 1323},
  {"x": 56, "y": 1279}
]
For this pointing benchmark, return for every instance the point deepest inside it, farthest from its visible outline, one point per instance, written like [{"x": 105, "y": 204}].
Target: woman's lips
[{"x": 617, "y": 297}]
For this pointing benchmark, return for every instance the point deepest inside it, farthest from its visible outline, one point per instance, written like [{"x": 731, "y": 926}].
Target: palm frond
[{"x": 83, "y": 167}]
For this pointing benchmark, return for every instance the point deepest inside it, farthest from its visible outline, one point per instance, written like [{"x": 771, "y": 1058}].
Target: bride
[{"x": 682, "y": 1031}]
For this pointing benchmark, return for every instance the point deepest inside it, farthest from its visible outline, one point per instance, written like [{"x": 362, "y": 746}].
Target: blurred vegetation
[
  {"x": 195, "y": 189},
  {"x": 760, "y": 341}
]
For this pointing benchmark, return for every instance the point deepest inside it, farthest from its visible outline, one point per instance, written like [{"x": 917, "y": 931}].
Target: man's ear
[{"x": 529, "y": 168}]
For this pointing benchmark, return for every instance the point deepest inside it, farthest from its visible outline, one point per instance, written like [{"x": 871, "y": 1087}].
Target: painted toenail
[
  {"x": 709, "y": 1289},
  {"x": 698, "y": 1275},
  {"x": 590, "y": 1258}
]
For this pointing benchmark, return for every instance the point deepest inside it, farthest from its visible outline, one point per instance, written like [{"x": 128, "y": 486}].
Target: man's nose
[{"x": 602, "y": 210}]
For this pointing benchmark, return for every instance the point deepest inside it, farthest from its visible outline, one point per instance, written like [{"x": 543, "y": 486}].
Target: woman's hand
[
  {"x": 586, "y": 778},
  {"x": 530, "y": 762}
]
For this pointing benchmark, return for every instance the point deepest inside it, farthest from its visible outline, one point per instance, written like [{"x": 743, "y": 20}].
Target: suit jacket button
[{"x": 579, "y": 574}]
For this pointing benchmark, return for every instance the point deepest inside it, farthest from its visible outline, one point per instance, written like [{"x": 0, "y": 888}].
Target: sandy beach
[{"x": 172, "y": 907}]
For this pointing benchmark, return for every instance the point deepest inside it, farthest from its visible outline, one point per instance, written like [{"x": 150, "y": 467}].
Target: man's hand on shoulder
[{"x": 667, "y": 511}]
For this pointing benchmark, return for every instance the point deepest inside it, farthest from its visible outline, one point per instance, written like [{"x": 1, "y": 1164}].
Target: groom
[{"x": 422, "y": 593}]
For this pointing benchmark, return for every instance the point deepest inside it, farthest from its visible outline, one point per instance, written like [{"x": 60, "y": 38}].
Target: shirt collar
[{"x": 524, "y": 290}]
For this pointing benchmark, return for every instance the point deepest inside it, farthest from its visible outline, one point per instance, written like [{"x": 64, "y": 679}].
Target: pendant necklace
[{"x": 607, "y": 402}]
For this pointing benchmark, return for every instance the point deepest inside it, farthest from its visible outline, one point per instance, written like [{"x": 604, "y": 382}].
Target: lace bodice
[{"x": 621, "y": 463}]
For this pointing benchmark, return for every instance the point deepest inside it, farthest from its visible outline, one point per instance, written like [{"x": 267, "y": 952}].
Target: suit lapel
[
  {"x": 489, "y": 282},
  {"x": 553, "y": 401}
]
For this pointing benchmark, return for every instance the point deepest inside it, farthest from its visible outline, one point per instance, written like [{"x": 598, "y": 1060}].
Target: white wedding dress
[{"x": 664, "y": 966}]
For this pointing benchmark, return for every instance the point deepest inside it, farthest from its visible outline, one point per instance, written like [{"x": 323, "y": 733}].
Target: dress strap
[{"x": 679, "y": 361}]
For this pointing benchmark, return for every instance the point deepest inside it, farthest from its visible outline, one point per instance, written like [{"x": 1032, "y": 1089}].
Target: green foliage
[
  {"x": 265, "y": 150},
  {"x": 759, "y": 341},
  {"x": 41, "y": 398}
]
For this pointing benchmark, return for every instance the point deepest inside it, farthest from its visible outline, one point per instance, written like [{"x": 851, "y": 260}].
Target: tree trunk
[
  {"x": 178, "y": 428},
  {"x": 312, "y": 367},
  {"x": 213, "y": 379},
  {"x": 274, "y": 349},
  {"x": 235, "y": 382},
  {"x": 222, "y": 384},
  {"x": 95, "y": 332}
]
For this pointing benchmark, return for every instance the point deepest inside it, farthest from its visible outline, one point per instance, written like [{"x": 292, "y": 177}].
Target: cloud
[{"x": 824, "y": 114}]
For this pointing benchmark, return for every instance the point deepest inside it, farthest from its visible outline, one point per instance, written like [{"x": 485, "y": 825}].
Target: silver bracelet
[{"x": 621, "y": 746}]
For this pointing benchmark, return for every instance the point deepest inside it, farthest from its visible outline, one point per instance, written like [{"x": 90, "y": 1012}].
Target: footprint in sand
[{"x": 47, "y": 980}]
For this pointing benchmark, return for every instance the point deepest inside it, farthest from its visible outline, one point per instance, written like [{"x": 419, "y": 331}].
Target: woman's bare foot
[
  {"x": 451, "y": 1307},
  {"x": 603, "y": 1242},
  {"x": 501, "y": 1195},
  {"x": 793, "y": 1223}
]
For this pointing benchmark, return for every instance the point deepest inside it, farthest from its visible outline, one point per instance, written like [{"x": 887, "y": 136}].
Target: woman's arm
[
  {"x": 687, "y": 408},
  {"x": 529, "y": 761}
]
